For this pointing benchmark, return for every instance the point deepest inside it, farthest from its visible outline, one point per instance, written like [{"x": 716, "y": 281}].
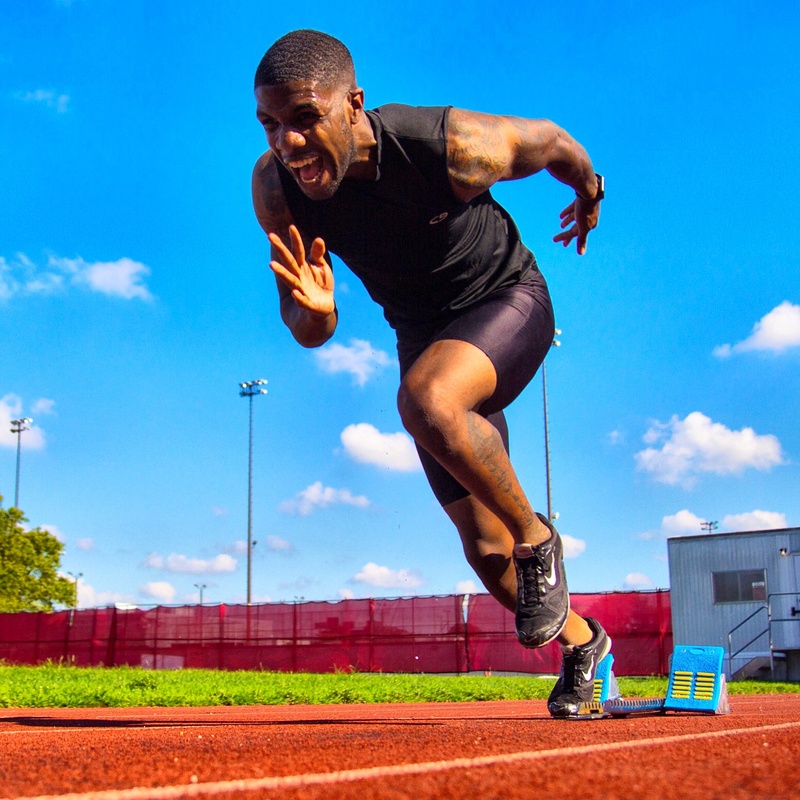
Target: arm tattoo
[
  {"x": 270, "y": 203},
  {"x": 477, "y": 151}
]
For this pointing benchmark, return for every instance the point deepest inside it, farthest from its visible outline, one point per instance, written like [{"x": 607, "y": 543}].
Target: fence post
[
  {"x": 371, "y": 638},
  {"x": 111, "y": 648},
  {"x": 294, "y": 636},
  {"x": 463, "y": 609}
]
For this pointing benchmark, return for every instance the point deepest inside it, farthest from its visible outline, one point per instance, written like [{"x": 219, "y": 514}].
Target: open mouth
[{"x": 308, "y": 170}]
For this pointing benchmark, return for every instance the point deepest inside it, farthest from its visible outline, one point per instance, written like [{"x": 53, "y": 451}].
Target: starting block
[{"x": 696, "y": 684}]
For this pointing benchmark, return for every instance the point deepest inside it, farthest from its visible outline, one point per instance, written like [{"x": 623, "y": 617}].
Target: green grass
[{"x": 62, "y": 686}]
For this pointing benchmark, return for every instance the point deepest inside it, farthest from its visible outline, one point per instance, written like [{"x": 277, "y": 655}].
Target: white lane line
[{"x": 399, "y": 770}]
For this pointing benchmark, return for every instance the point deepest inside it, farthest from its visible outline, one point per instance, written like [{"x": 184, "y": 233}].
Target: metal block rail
[{"x": 696, "y": 684}]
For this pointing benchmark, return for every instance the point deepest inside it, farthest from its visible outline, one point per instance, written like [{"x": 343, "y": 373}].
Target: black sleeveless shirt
[{"x": 421, "y": 253}]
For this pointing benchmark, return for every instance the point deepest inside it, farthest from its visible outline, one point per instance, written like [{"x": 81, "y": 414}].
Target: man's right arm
[
  {"x": 483, "y": 149},
  {"x": 305, "y": 285}
]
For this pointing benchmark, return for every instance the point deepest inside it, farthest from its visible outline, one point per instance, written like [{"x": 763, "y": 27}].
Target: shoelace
[
  {"x": 569, "y": 665},
  {"x": 533, "y": 576}
]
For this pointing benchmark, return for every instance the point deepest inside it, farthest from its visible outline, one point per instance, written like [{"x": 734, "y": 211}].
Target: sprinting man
[{"x": 402, "y": 195}]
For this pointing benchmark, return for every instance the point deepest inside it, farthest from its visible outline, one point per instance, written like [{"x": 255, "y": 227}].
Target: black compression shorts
[{"x": 515, "y": 328}]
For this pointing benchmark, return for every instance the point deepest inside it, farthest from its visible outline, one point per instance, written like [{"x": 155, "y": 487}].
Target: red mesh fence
[
  {"x": 639, "y": 624},
  {"x": 421, "y": 634}
]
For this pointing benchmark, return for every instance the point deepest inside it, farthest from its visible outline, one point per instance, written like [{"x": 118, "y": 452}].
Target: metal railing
[{"x": 768, "y": 631}]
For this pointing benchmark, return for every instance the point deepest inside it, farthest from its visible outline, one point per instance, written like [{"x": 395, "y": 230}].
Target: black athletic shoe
[
  {"x": 542, "y": 595},
  {"x": 575, "y": 684}
]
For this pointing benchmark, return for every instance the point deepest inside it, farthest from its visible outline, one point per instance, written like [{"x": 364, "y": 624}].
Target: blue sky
[{"x": 135, "y": 294}]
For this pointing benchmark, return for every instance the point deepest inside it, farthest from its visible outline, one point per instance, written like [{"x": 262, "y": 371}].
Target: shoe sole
[{"x": 553, "y": 637}]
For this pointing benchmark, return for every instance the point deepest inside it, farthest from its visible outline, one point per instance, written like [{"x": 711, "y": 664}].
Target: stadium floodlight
[
  {"x": 250, "y": 389},
  {"x": 18, "y": 426}
]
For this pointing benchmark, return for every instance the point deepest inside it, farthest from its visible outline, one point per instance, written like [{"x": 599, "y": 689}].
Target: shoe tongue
[{"x": 524, "y": 550}]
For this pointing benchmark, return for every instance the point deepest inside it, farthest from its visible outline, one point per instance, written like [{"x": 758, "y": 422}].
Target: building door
[{"x": 793, "y": 607}]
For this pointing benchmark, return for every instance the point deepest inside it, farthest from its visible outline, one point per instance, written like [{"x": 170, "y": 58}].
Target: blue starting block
[
  {"x": 697, "y": 681},
  {"x": 696, "y": 684},
  {"x": 605, "y": 683}
]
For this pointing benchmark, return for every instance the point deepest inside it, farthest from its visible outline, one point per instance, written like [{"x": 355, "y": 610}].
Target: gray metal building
[{"x": 740, "y": 591}]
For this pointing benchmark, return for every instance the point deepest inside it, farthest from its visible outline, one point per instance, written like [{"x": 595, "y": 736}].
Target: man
[{"x": 401, "y": 195}]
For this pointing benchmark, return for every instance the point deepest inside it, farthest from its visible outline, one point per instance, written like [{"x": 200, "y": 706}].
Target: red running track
[{"x": 418, "y": 751}]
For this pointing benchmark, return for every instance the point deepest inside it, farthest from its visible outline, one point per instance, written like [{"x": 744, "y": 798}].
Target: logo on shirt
[{"x": 438, "y": 218}]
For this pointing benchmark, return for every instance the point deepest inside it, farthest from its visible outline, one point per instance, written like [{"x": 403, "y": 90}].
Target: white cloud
[
  {"x": 160, "y": 591},
  {"x": 89, "y": 597},
  {"x": 31, "y": 439},
  {"x": 175, "y": 562},
  {"x": 85, "y": 545},
  {"x": 360, "y": 359},
  {"x": 238, "y": 548},
  {"x": 754, "y": 521},
  {"x": 616, "y": 437},
  {"x": 382, "y": 577},
  {"x": 278, "y": 544},
  {"x": 54, "y": 531},
  {"x": 367, "y": 445},
  {"x": 319, "y": 496},
  {"x": 572, "y": 547},
  {"x": 684, "y": 523},
  {"x": 49, "y": 98},
  {"x": 43, "y": 406},
  {"x": 346, "y": 594},
  {"x": 775, "y": 332},
  {"x": 122, "y": 278},
  {"x": 687, "y": 523},
  {"x": 637, "y": 580},
  {"x": 698, "y": 445},
  {"x": 219, "y": 511},
  {"x": 467, "y": 587}
]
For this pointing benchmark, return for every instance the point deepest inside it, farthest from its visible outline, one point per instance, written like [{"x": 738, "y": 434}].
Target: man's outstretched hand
[
  {"x": 582, "y": 216},
  {"x": 310, "y": 279}
]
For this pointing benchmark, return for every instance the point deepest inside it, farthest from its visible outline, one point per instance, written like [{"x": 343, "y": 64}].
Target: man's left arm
[{"x": 483, "y": 149}]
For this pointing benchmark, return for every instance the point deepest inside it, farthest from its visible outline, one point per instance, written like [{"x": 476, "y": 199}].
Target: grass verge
[{"x": 62, "y": 686}]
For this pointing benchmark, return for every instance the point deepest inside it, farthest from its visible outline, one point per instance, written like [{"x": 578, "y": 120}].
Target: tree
[{"x": 29, "y": 564}]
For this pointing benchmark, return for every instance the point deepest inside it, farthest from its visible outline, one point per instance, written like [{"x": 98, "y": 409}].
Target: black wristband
[{"x": 601, "y": 191}]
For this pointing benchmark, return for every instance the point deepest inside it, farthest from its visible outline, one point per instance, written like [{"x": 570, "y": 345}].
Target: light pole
[
  {"x": 550, "y": 516},
  {"x": 200, "y": 587},
  {"x": 249, "y": 390},
  {"x": 17, "y": 426},
  {"x": 76, "y": 577}
]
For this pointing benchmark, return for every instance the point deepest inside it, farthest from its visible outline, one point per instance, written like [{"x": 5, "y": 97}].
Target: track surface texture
[{"x": 419, "y": 751}]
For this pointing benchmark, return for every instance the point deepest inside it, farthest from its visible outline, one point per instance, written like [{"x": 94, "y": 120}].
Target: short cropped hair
[{"x": 307, "y": 55}]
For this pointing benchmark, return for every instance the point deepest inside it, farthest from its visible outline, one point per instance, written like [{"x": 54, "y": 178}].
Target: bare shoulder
[{"x": 269, "y": 200}]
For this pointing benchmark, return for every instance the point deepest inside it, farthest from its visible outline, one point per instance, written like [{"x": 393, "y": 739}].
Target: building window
[{"x": 740, "y": 586}]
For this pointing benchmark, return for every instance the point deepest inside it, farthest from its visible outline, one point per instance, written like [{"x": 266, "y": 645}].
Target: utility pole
[
  {"x": 250, "y": 389},
  {"x": 550, "y": 515},
  {"x": 17, "y": 426}
]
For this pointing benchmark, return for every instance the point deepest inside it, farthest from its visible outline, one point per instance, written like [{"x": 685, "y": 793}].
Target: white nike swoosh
[{"x": 551, "y": 579}]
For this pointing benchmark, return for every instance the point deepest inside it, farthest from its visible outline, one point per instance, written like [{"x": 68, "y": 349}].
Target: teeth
[{"x": 297, "y": 164}]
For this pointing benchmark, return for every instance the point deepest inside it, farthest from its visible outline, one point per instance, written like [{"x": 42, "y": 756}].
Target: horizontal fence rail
[{"x": 443, "y": 634}]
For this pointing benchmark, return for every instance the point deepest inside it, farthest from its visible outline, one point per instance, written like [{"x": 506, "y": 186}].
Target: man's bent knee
[{"x": 425, "y": 409}]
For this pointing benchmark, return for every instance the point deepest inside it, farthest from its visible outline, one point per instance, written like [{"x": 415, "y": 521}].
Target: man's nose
[{"x": 290, "y": 139}]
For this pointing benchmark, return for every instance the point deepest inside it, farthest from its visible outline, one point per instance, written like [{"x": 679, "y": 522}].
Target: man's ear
[{"x": 355, "y": 105}]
